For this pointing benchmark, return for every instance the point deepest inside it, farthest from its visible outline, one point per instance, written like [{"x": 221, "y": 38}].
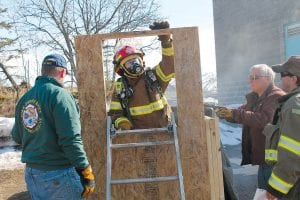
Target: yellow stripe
[
  {"x": 115, "y": 105},
  {"x": 118, "y": 87},
  {"x": 271, "y": 151},
  {"x": 289, "y": 144},
  {"x": 168, "y": 51},
  {"x": 279, "y": 184},
  {"x": 118, "y": 84},
  {"x": 142, "y": 110},
  {"x": 147, "y": 109},
  {"x": 162, "y": 76},
  {"x": 271, "y": 155}
]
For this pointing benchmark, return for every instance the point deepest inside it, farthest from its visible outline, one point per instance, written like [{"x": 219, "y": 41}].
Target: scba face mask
[{"x": 133, "y": 67}]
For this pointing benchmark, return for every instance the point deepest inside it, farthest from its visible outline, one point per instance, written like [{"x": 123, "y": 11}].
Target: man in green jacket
[
  {"x": 47, "y": 125},
  {"x": 283, "y": 137}
]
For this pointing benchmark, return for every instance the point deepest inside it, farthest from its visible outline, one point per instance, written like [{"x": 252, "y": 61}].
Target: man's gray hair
[{"x": 264, "y": 70}]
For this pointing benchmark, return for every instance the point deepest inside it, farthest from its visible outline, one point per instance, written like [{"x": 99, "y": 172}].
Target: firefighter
[
  {"x": 138, "y": 99},
  {"x": 282, "y": 149}
]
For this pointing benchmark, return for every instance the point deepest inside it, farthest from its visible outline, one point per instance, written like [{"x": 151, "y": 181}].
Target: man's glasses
[
  {"x": 284, "y": 74},
  {"x": 255, "y": 77}
]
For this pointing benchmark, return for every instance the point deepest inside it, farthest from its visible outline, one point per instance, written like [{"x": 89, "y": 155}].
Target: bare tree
[
  {"x": 209, "y": 85},
  {"x": 7, "y": 53},
  {"x": 4, "y": 41},
  {"x": 55, "y": 23}
]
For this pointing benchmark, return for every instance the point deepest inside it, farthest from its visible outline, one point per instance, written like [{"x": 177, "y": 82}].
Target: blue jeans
[
  {"x": 264, "y": 173},
  {"x": 56, "y": 184}
]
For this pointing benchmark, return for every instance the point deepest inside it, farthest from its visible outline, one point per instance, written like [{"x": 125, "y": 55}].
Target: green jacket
[
  {"x": 283, "y": 146},
  {"x": 47, "y": 125}
]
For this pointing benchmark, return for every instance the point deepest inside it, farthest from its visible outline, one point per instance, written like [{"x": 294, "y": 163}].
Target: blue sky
[{"x": 194, "y": 13}]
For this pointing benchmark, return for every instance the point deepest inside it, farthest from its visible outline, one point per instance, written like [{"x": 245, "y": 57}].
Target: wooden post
[
  {"x": 195, "y": 145},
  {"x": 215, "y": 160},
  {"x": 192, "y": 136},
  {"x": 91, "y": 89}
]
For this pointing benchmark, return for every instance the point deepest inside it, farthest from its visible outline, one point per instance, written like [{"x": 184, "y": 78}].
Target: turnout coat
[
  {"x": 283, "y": 148},
  {"x": 147, "y": 107}
]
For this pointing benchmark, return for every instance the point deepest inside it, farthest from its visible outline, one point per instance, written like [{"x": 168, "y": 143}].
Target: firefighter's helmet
[{"x": 128, "y": 61}]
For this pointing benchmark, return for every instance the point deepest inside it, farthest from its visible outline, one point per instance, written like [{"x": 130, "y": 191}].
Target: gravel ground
[{"x": 12, "y": 185}]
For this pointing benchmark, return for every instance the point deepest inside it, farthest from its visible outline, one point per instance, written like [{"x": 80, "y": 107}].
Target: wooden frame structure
[{"x": 198, "y": 137}]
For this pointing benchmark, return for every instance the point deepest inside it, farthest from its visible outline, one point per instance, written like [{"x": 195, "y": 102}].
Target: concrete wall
[{"x": 248, "y": 33}]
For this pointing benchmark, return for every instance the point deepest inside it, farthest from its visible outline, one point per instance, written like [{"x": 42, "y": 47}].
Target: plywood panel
[
  {"x": 192, "y": 137},
  {"x": 91, "y": 87},
  {"x": 194, "y": 142},
  {"x": 214, "y": 153},
  {"x": 144, "y": 162}
]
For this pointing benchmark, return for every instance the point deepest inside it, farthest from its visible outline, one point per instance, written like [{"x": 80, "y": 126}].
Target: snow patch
[
  {"x": 6, "y": 125},
  {"x": 10, "y": 158},
  {"x": 231, "y": 134}
]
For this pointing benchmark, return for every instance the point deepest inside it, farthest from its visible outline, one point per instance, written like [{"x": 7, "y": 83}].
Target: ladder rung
[
  {"x": 142, "y": 131},
  {"x": 144, "y": 180},
  {"x": 142, "y": 144}
]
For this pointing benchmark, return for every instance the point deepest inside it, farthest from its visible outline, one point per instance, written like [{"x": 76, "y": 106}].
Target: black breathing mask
[{"x": 134, "y": 66}]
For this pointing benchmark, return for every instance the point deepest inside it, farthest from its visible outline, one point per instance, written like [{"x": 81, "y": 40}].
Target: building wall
[{"x": 248, "y": 33}]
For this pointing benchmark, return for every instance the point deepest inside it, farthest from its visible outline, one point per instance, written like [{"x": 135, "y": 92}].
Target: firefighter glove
[
  {"x": 125, "y": 125},
  {"x": 224, "y": 113},
  {"x": 161, "y": 25},
  {"x": 87, "y": 180}
]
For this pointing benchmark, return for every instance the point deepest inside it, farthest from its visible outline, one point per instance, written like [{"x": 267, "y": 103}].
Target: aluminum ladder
[{"x": 112, "y": 132}]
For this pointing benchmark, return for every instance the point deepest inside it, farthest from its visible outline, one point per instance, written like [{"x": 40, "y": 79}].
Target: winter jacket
[
  {"x": 47, "y": 125},
  {"x": 254, "y": 115},
  {"x": 148, "y": 107},
  {"x": 283, "y": 147}
]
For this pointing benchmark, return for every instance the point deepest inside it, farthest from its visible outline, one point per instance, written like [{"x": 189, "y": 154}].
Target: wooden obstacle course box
[{"x": 198, "y": 136}]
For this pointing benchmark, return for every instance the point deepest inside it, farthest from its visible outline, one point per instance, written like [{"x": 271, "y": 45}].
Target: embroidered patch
[{"x": 30, "y": 116}]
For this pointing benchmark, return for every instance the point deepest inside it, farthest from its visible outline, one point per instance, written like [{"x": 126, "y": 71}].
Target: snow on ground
[
  {"x": 230, "y": 133},
  {"x": 10, "y": 157},
  {"x": 5, "y": 126}
]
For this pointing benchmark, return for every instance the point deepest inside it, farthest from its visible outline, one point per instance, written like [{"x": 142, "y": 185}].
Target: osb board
[
  {"x": 92, "y": 107},
  {"x": 192, "y": 138},
  {"x": 141, "y": 162},
  {"x": 215, "y": 160}
]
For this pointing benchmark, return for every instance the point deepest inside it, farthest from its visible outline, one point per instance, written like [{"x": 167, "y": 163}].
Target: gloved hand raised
[
  {"x": 87, "y": 180},
  {"x": 224, "y": 113},
  {"x": 161, "y": 25}
]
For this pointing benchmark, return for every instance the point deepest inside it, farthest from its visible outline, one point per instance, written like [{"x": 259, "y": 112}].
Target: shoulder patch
[{"x": 30, "y": 116}]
